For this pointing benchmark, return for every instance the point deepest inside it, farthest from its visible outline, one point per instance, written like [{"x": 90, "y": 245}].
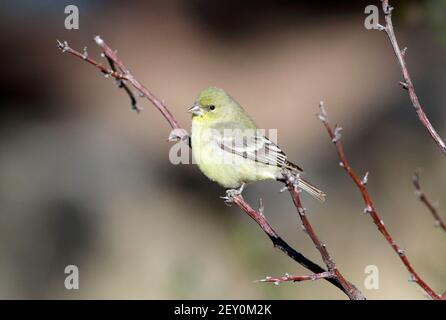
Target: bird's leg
[
  {"x": 290, "y": 176},
  {"x": 231, "y": 193},
  {"x": 179, "y": 135}
]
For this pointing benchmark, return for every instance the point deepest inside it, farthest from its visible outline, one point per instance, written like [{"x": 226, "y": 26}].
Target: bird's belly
[{"x": 229, "y": 170}]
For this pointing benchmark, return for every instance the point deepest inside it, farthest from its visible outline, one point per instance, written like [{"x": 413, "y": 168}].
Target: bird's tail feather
[
  {"x": 292, "y": 166},
  {"x": 303, "y": 184},
  {"x": 312, "y": 190}
]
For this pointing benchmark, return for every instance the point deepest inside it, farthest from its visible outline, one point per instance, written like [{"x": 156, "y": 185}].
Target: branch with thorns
[
  {"x": 122, "y": 75},
  {"x": 407, "y": 84},
  {"x": 332, "y": 274},
  {"x": 369, "y": 206},
  {"x": 333, "y": 271},
  {"x": 279, "y": 243}
]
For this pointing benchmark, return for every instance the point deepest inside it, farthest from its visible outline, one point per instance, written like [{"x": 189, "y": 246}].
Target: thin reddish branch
[
  {"x": 408, "y": 84},
  {"x": 279, "y": 243},
  {"x": 422, "y": 196},
  {"x": 370, "y": 209},
  {"x": 125, "y": 75},
  {"x": 294, "y": 278},
  {"x": 352, "y": 292},
  {"x": 84, "y": 56},
  {"x": 159, "y": 104}
]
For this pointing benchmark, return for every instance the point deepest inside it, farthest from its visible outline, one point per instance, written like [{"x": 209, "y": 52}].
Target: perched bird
[{"x": 230, "y": 150}]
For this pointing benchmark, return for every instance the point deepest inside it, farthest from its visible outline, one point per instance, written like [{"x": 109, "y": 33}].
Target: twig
[
  {"x": 141, "y": 88},
  {"x": 294, "y": 278},
  {"x": 123, "y": 73},
  {"x": 352, "y": 292},
  {"x": 422, "y": 196},
  {"x": 279, "y": 243},
  {"x": 370, "y": 209},
  {"x": 65, "y": 48},
  {"x": 407, "y": 83},
  {"x": 123, "y": 85}
]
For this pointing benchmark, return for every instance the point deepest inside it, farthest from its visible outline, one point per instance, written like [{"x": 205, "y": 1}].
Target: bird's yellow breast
[{"x": 228, "y": 170}]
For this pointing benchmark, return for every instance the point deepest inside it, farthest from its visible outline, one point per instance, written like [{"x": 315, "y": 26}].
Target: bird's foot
[
  {"x": 232, "y": 193},
  {"x": 290, "y": 178},
  {"x": 179, "y": 135}
]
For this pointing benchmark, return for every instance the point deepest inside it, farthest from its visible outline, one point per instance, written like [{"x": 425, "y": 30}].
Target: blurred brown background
[{"x": 85, "y": 181}]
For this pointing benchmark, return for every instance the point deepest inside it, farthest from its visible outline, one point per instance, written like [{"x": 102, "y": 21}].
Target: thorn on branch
[
  {"x": 98, "y": 40},
  {"x": 368, "y": 209},
  {"x": 63, "y": 45},
  {"x": 389, "y": 9},
  {"x": 365, "y": 180},
  {"x": 322, "y": 115},
  {"x": 337, "y": 134},
  {"x": 403, "y": 51},
  {"x": 380, "y": 27},
  {"x": 85, "y": 53},
  {"x": 401, "y": 252},
  {"x": 404, "y": 85},
  {"x": 261, "y": 207}
]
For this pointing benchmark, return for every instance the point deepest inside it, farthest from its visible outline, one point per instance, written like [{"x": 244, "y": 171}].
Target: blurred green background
[{"x": 85, "y": 181}]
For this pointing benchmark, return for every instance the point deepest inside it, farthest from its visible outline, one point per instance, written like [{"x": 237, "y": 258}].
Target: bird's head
[{"x": 213, "y": 103}]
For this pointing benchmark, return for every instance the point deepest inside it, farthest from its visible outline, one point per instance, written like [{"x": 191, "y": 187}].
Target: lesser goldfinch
[{"x": 230, "y": 150}]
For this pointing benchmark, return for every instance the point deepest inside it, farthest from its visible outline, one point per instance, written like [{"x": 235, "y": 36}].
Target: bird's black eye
[{"x": 212, "y": 107}]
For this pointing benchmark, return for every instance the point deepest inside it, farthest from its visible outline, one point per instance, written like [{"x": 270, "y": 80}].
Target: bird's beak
[{"x": 195, "y": 110}]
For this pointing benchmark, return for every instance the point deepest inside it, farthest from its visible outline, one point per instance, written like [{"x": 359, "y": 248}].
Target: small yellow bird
[{"x": 230, "y": 150}]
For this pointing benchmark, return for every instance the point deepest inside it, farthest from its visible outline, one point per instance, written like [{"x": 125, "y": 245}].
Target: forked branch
[
  {"x": 352, "y": 292},
  {"x": 369, "y": 207},
  {"x": 279, "y": 243}
]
